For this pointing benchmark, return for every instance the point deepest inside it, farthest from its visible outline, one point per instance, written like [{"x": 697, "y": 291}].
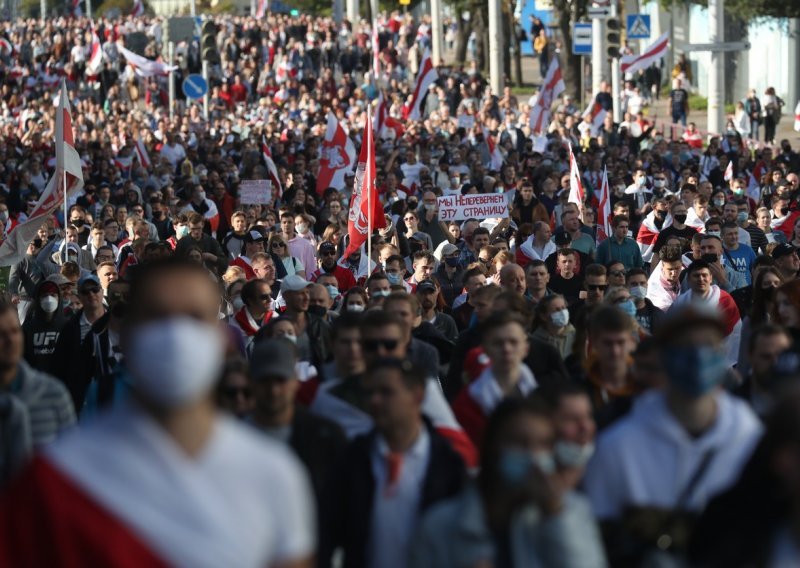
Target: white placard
[
  {"x": 476, "y": 206},
  {"x": 255, "y": 192}
]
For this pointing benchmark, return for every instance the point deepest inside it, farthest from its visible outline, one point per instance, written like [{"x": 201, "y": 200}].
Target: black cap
[
  {"x": 562, "y": 238},
  {"x": 426, "y": 286},
  {"x": 254, "y": 235},
  {"x": 327, "y": 246},
  {"x": 783, "y": 249}
]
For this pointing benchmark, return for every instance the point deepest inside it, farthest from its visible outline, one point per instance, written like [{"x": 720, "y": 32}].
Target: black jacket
[
  {"x": 68, "y": 363},
  {"x": 348, "y": 497},
  {"x": 318, "y": 442}
]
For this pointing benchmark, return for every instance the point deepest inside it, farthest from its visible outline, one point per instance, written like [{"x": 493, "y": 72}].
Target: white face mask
[
  {"x": 49, "y": 304},
  {"x": 302, "y": 228},
  {"x": 237, "y": 303},
  {"x": 560, "y": 318},
  {"x": 355, "y": 308},
  {"x": 174, "y": 361},
  {"x": 570, "y": 454},
  {"x": 639, "y": 292},
  {"x": 292, "y": 338}
]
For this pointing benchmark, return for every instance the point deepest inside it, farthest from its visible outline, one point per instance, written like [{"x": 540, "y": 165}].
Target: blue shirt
[{"x": 741, "y": 260}]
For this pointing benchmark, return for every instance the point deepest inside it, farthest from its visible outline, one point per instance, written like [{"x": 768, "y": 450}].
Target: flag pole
[
  {"x": 66, "y": 206},
  {"x": 369, "y": 192}
]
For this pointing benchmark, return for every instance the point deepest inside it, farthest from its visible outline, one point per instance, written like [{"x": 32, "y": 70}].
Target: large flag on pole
[
  {"x": 552, "y": 86},
  {"x": 656, "y": 50},
  {"x": 271, "y": 169},
  {"x": 366, "y": 211},
  {"x": 261, "y": 10},
  {"x": 67, "y": 179},
  {"x": 376, "y": 51},
  {"x": 425, "y": 78},
  {"x": 145, "y": 67},
  {"x": 604, "y": 210},
  {"x": 576, "y": 192},
  {"x": 597, "y": 113},
  {"x": 338, "y": 155},
  {"x": 380, "y": 114},
  {"x": 797, "y": 117}
]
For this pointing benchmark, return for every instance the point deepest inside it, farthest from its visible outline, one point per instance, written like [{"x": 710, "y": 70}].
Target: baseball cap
[
  {"x": 327, "y": 246},
  {"x": 48, "y": 287},
  {"x": 58, "y": 279},
  {"x": 88, "y": 279},
  {"x": 563, "y": 238},
  {"x": 449, "y": 249},
  {"x": 274, "y": 358},
  {"x": 783, "y": 249},
  {"x": 294, "y": 283},
  {"x": 426, "y": 286},
  {"x": 254, "y": 236}
]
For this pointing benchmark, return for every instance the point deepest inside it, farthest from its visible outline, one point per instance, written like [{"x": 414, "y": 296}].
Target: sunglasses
[
  {"x": 233, "y": 392},
  {"x": 277, "y": 245},
  {"x": 596, "y": 287},
  {"x": 91, "y": 290},
  {"x": 373, "y": 345}
]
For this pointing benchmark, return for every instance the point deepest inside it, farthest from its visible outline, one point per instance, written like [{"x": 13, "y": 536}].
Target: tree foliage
[{"x": 747, "y": 10}]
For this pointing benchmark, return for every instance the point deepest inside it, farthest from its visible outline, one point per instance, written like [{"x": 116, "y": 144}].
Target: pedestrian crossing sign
[{"x": 638, "y": 26}]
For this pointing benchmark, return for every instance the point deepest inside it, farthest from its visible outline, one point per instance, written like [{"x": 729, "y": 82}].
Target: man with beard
[{"x": 328, "y": 265}]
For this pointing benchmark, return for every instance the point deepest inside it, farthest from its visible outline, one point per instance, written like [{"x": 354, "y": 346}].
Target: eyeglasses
[
  {"x": 596, "y": 287},
  {"x": 373, "y": 345},
  {"x": 277, "y": 245},
  {"x": 617, "y": 273},
  {"x": 233, "y": 392},
  {"x": 409, "y": 218},
  {"x": 91, "y": 290}
]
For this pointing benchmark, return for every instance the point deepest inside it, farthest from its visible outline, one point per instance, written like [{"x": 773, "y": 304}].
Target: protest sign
[
  {"x": 476, "y": 206},
  {"x": 255, "y": 192}
]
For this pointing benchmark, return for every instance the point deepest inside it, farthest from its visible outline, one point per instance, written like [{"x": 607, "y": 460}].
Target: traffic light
[
  {"x": 208, "y": 43},
  {"x": 613, "y": 39}
]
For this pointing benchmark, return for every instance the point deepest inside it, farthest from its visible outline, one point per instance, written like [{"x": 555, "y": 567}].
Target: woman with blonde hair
[{"x": 278, "y": 247}]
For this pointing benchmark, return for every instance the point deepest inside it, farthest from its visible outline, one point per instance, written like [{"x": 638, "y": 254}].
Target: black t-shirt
[
  {"x": 678, "y": 98},
  {"x": 686, "y": 233},
  {"x": 570, "y": 289}
]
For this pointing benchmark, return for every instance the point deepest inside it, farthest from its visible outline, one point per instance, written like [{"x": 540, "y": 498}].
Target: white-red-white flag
[
  {"x": 261, "y": 9},
  {"x": 797, "y": 117},
  {"x": 366, "y": 211},
  {"x": 145, "y": 67},
  {"x": 552, "y": 86},
  {"x": 271, "y": 169},
  {"x": 95, "y": 63},
  {"x": 138, "y": 8},
  {"x": 141, "y": 154},
  {"x": 67, "y": 179},
  {"x": 656, "y": 50},
  {"x": 729, "y": 171},
  {"x": 576, "y": 193},
  {"x": 604, "y": 209},
  {"x": 6, "y": 47},
  {"x": 495, "y": 155},
  {"x": 376, "y": 51},
  {"x": 597, "y": 113},
  {"x": 337, "y": 157},
  {"x": 426, "y": 76}
]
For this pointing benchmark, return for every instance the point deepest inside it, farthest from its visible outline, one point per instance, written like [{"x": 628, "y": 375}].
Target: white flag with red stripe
[
  {"x": 145, "y": 67},
  {"x": 495, "y": 155},
  {"x": 138, "y": 8},
  {"x": 271, "y": 169},
  {"x": 552, "y": 86},
  {"x": 380, "y": 115},
  {"x": 95, "y": 63},
  {"x": 576, "y": 192},
  {"x": 426, "y": 76},
  {"x": 604, "y": 210},
  {"x": 337, "y": 157},
  {"x": 141, "y": 154},
  {"x": 598, "y": 115},
  {"x": 261, "y": 10},
  {"x": 6, "y": 47},
  {"x": 729, "y": 171},
  {"x": 656, "y": 50},
  {"x": 366, "y": 211},
  {"x": 66, "y": 180}
]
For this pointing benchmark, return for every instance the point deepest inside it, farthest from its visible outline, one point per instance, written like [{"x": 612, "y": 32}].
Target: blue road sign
[
  {"x": 638, "y": 26},
  {"x": 194, "y": 86},
  {"x": 582, "y": 39}
]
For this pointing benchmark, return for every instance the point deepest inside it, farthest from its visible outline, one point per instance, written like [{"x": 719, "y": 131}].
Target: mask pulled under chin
[{"x": 174, "y": 361}]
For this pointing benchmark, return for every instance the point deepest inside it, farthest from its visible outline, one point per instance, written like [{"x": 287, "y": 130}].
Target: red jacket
[{"x": 344, "y": 277}]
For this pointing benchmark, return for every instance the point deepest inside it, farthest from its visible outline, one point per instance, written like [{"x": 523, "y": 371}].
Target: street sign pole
[
  {"x": 615, "y": 78},
  {"x": 207, "y": 95},
  {"x": 171, "y": 57},
  {"x": 716, "y": 76}
]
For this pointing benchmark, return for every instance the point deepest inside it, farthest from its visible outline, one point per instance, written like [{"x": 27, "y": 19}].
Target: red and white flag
[
  {"x": 576, "y": 193},
  {"x": 381, "y": 113},
  {"x": 426, "y": 76},
  {"x": 141, "y": 154},
  {"x": 495, "y": 155},
  {"x": 552, "y": 86},
  {"x": 604, "y": 210},
  {"x": 145, "y": 67},
  {"x": 138, "y": 8},
  {"x": 656, "y": 50},
  {"x": 6, "y": 47},
  {"x": 376, "y": 51},
  {"x": 95, "y": 63},
  {"x": 271, "y": 169},
  {"x": 366, "y": 211},
  {"x": 728, "y": 171},
  {"x": 797, "y": 117},
  {"x": 338, "y": 156},
  {"x": 598, "y": 114},
  {"x": 124, "y": 164},
  {"x": 67, "y": 179},
  {"x": 261, "y": 9}
]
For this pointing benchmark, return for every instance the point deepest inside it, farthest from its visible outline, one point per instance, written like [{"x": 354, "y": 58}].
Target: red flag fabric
[
  {"x": 273, "y": 171},
  {"x": 338, "y": 156},
  {"x": 376, "y": 51},
  {"x": 552, "y": 86},
  {"x": 366, "y": 212},
  {"x": 425, "y": 78},
  {"x": 656, "y": 50},
  {"x": 598, "y": 115},
  {"x": 95, "y": 63}
]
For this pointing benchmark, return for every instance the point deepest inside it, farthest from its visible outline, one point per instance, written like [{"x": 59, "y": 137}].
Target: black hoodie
[{"x": 41, "y": 335}]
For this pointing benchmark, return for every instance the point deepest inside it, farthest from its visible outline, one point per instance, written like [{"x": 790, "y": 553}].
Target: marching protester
[{"x": 358, "y": 265}]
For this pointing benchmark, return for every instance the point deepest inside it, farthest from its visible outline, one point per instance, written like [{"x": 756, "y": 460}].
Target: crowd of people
[{"x": 189, "y": 380}]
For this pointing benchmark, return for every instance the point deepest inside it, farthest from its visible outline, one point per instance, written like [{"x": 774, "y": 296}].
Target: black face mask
[
  {"x": 317, "y": 311},
  {"x": 158, "y": 214},
  {"x": 680, "y": 218},
  {"x": 119, "y": 310},
  {"x": 784, "y": 210},
  {"x": 710, "y": 257}
]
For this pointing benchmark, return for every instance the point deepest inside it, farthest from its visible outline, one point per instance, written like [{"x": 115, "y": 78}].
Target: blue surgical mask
[
  {"x": 628, "y": 307},
  {"x": 639, "y": 292},
  {"x": 515, "y": 465},
  {"x": 741, "y": 216},
  {"x": 694, "y": 370},
  {"x": 333, "y": 291},
  {"x": 394, "y": 279}
]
